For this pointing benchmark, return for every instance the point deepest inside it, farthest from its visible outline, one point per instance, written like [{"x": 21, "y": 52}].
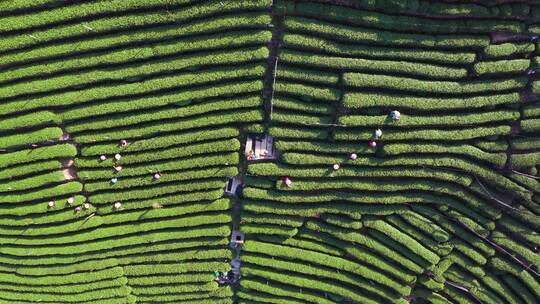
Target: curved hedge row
[
  {"x": 123, "y": 130},
  {"x": 434, "y": 203}
]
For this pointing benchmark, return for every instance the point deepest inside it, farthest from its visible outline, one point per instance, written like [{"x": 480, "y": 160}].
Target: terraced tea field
[{"x": 367, "y": 151}]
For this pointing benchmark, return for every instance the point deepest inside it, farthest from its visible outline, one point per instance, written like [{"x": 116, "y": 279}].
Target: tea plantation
[{"x": 378, "y": 151}]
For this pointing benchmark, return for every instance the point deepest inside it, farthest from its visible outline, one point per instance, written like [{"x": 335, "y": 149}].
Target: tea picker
[
  {"x": 287, "y": 181},
  {"x": 378, "y": 133},
  {"x": 395, "y": 115}
]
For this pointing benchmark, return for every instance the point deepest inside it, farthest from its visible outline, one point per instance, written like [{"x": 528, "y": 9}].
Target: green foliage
[
  {"x": 307, "y": 92},
  {"x": 508, "y": 49},
  {"x": 502, "y": 66},
  {"x": 309, "y": 270},
  {"x": 351, "y": 34},
  {"x": 12, "y": 23},
  {"x": 34, "y": 119},
  {"x": 425, "y": 134},
  {"x": 140, "y": 71},
  {"x": 322, "y": 259},
  {"x": 271, "y": 169},
  {"x": 269, "y": 229},
  {"x": 518, "y": 228},
  {"x": 181, "y": 98},
  {"x": 162, "y": 30},
  {"x": 132, "y": 157},
  {"x": 378, "y": 254},
  {"x": 343, "y": 222},
  {"x": 372, "y": 65},
  {"x": 302, "y": 119},
  {"x": 217, "y": 296},
  {"x": 402, "y": 238},
  {"x": 282, "y": 220},
  {"x": 41, "y": 180},
  {"x": 107, "y": 293},
  {"x": 250, "y": 283},
  {"x": 158, "y": 190},
  {"x": 302, "y": 74},
  {"x": 358, "y": 80},
  {"x": 434, "y": 161},
  {"x": 308, "y": 42},
  {"x": 149, "y": 116},
  {"x": 40, "y": 153},
  {"x": 303, "y": 133},
  {"x": 432, "y": 120},
  {"x": 524, "y": 160},
  {"x": 530, "y": 125},
  {"x": 297, "y": 105},
  {"x": 370, "y": 15},
  {"x": 360, "y": 100},
  {"x": 498, "y": 159},
  {"x": 163, "y": 166},
  {"x": 150, "y": 85},
  {"x": 46, "y": 134},
  {"x": 210, "y": 120},
  {"x": 305, "y": 282},
  {"x": 66, "y": 279},
  {"x": 56, "y": 191},
  {"x": 531, "y": 111},
  {"x": 129, "y": 55},
  {"x": 95, "y": 235},
  {"x": 160, "y": 142},
  {"x": 429, "y": 227}
]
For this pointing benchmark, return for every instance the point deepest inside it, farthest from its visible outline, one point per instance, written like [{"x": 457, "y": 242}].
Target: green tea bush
[
  {"x": 12, "y": 23},
  {"x": 439, "y": 120},
  {"x": 46, "y": 134},
  {"x": 127, "y": 56},
  {"x": 162, "y": 166},
  {"x": 372, "y": 65},
  {"x": 397, "y": 22},
  {"x": 141, "y": 71},
  {"x": 431, "y": 87},
  {"x": 303, "y": 106},
  {"x": 36, "y": 154},
  {"x": 307, "y": 92},
  {"x": 210, "y": 120},
  {"x": 359, "y": 100},
  {"x": 502, "y": 66},
  {"x": 159, "y": 142},
  {"x": 313, "y": 43},
  {"x": 149, "y": 116},
  {"x": 349, "y": 34},
  {"x": 309, "y": 270},
  {"x": 302, "y": 74},
  {"x": 280, "y": 116},
  {"x": 109, "y": 197},
  {"x": 508, "y": 49},
  {"x": 402, "y": 238}
]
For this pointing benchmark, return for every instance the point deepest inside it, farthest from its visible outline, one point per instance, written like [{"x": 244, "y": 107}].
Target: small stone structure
[
  {"x": 260, "y": 146},
  {"x": 233, "y": 186},
  {"x": 237, "y": 239}
]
